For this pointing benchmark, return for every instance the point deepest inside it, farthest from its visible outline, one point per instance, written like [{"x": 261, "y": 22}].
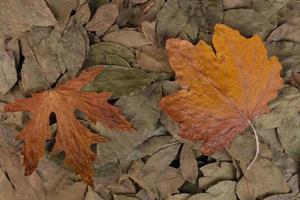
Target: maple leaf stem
[
  {"x": 39, "y": 64},
  {"x": 257, "y": 148}
]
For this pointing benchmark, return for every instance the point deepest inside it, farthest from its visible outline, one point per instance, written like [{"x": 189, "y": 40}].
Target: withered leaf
[
  {"x": 206, "y": 13},
  {"x": 8, "y": 72},
  {"x": 104, "y": 17},
  {"x": 248, "y": 21},
  {"x": 127, "y": 38},
  {"x": 188, "y": 164},
  {"x": 170, "y": 20},
  {"x": 56, "y": 55},
  {"x": 72, "y": 137},
  {"x": 109, "y": 53},
  {"x": 218, "y": 100},
  {"x": 122, "y": 81},
  {"x": 17, "y": 16}
]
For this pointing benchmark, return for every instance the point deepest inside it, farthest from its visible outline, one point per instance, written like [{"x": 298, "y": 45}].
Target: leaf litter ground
[{"x": 56, "y": 40}]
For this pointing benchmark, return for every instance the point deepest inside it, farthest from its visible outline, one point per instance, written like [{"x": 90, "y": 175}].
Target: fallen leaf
[
  {"x": 188, "y": 164},
  {"x": 170, "y": 20},
  {"x": 62, "y": 101},
  {"x": 154, "y": 144},
  {"x": 288, "y": 134},
  {"x": 128, "y": 38},
  {"x": 20, "y": 16},
  {"x": 104, "y": 17},
  {"x": 83, "y": 13},
  {"x": 62, "y": 11},
  {"x": 223, "y": 190},
  {"x": 123, "y": 197},
  {"x": 262, "y": 180},
  {"x": 211, "y": 108},
  {"x": 168, "y": 181},
  {"x": 248, "y": 22},
  {"x": 153, "y": 59},
  {"x": 181, "y": 196},
  {"x": 121, "y": 81},
  {"x": 8, "y": 72},
  {"x": 149, "y": 31},
  {"x": 287, "y": 54},
  {"x": 289, "y": 31},
  {"x": 214, "y": 173},
  {"x": 206, "y": 13},
  {"x": 235, "y": 3},
  {"x": 91, "y": 195},
  {"x": 109, "y": 53},
  {"x": 47, "y": 51},
  {"x": 286, "y": 106},
  {"x": 151, "y": 10},
  {"x": 160, "y": 160},
  {"x": 143, "y": 113}
]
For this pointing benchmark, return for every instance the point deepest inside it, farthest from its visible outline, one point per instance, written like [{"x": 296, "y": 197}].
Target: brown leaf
[
  {"x": 104, "y": 17},
  {"x": 219, "y": 100},
  {"x": 188, "y": 164},
  {"x": 17, "y": 16},
  {"x": 8, "y": 73},
  {"x": 128, "y": 38},
  {"x": 72, "y": 137}
]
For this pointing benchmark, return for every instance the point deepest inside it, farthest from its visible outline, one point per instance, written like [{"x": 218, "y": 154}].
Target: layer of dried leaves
[{"x": 52, "y": 41}]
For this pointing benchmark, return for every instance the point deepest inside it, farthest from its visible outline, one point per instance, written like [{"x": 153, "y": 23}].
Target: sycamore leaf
[
  {"x": 73, "y": 138},
  {"x": 223, "y": 92}
]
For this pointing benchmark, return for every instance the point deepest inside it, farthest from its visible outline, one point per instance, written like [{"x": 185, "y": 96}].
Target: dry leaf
[
  {"x": 17, "y": 16},
  {"x": 127, "y": 38},
  {"x": 160, "y": 160},
  {"x": 8, "y": 73},
  {"x": 219, "y": 99},
  {"x": 104, "y": 17},
  {"x": 188, "y": 164},
  {"x": 72, "y": 137}
]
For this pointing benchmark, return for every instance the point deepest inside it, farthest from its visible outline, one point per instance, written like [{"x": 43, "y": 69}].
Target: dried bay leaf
[
  {"x": 109, "y": 53},
  {"x": 216, "y": 172},
  {"x": 8, "y": 72},
  {"x": 170, "y": 21},
  {"x": 188, "y": 164},
  {"x": 285, "y": 107},
  {"x": 248, "y": 22},
  {"x": 57, "y": 56},
  {"x": 154, "y": 59},
  {"x": 143, "y": 112},
  {"x": 62, "y": 10},
  {"x": 121, "y": 81},
  {"x": 263, "y": 179},
  {"x": 91, "y": 195},
  {"x": 20, "y": 16},
  {"x": 104, "y": 17},
  {"x": 288, "y": 31},
  {"x": 128, "y": 38},
  {"x": 223, "y": 190},
  {"x": 123, "y": 197},
  {"x": 160, "y": 160},
  {"x": 228, "y": 4},
  {"x": 288, "y": 55},
  {"x": 206, "y": 13},
  {"x": 288, "y": 133}
]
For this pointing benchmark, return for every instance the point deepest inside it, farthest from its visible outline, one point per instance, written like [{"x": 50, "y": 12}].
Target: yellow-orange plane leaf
[
  {"x": 224, "y": 89},
  {"x": 72, "y": 137}
]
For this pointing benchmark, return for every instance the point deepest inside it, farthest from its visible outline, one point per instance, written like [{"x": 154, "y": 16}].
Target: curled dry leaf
[
  {"x": 72, "y": 137},
  {"x": 219, "y": 99}
]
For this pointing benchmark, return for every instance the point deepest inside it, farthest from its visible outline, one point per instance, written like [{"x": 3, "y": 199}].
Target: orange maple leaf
[
  {"x": 223, "y": 92},
  {"x": 72, "y": 137}
]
